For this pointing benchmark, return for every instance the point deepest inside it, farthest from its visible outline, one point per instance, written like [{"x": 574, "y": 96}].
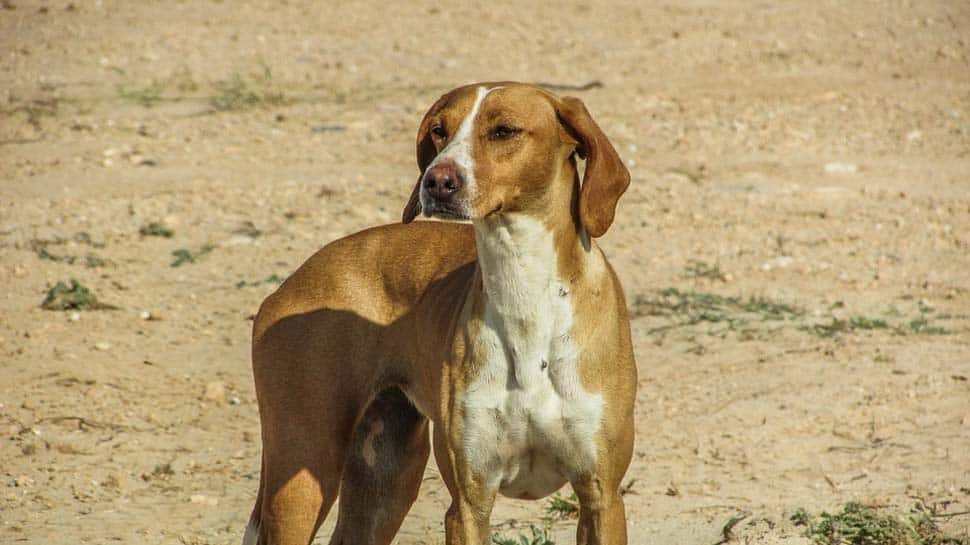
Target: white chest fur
[{"x": 528, "y": 423}]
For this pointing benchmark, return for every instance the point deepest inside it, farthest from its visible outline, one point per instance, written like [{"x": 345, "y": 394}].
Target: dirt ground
[{"x": 795, "y": 245}]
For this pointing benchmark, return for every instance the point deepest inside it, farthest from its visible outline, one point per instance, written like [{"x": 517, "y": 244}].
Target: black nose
[{"x": 441, "y": 181}]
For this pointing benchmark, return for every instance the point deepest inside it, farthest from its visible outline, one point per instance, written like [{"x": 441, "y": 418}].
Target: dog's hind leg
[
  {"x": 306, "y": 437},
  {"x": 301, "y": 480},
  {"x": 383, "y": 471}
]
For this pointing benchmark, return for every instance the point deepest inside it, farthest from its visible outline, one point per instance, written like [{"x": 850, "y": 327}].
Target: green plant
[
  {"x": 563, "y": 507},
  {"x": 243, "y": 92},
  {"x": 701, "y": 269},
  {"x": 800, "y": 517},
  {"x": 183, "y": 255},
  {"x": 540, "y": 536},
  {"x": 72, "y": 297},
  {"x": 146, "y": 96},
  {"x": 271, "y": 279},
  {"x": 837, "y": 326},
  {"x": 156, "y": 229},
  {"x": 686, "y": 308},
  {"x": 921, "y": 325},
  {"x": 159, "y": 90},
  {"x": 858, "y": 524}
]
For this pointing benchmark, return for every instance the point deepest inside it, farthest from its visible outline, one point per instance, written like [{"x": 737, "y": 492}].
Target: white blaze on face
[{"x": 459, "y": 150}]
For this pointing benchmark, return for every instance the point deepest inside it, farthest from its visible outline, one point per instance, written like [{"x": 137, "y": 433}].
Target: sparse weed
[
  {"x": 249, "y": 229},
  {"x": 800, "y": 517},
  {"x": 75, "y": 296},
  {"x": 742, "y": 316},
  {"x": 147, "y": 96},
  {"x": 563, "y": 507},
  {"x": 35, "y": 110},
  {"x": 858, "y": 524},
  {"x": 163, "y": 469},
  {"x": 244, "y": 92},
  {"x": 156, "y": 229},
  {"x": 271, "y": 279},
  {"x": 686, "y": 308},
  {"x": 91, "y": 260},
  {"x": 183, "y": 255},
  {"x": 837, "y": 326},
  {"x": 539, "y": 536},
  {"x": 701, "y": 269},
  {"x": 161, "y": 472},
  {"x": 239, "y": 92},
  {"x": 921, "y": 326},
  {"x": 160, "y": 90}
]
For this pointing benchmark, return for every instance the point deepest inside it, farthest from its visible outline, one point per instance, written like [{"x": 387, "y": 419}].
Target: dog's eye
[
  {"x": 504, "y": 132},
  {"x": 439, "y": 131}
]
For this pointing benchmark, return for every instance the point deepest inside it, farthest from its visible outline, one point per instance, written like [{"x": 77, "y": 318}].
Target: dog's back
[{"x": 378, "y": 273}]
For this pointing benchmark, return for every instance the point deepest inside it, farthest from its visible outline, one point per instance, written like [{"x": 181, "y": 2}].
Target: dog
[{"x": 510, "y": 334}]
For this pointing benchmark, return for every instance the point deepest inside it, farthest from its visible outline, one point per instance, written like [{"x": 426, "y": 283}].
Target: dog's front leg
[
  {"x": 467, "y": 520},
  {"x": 602, "y": 519}
]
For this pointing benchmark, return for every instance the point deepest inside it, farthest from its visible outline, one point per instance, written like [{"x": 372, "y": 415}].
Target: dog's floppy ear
[
  {"x": 426, "y": 153},
  {"x": 606, "y": 176}
]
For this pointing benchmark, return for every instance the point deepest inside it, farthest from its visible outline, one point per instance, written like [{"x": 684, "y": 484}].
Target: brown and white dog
[{"x": 510, "y": 335}]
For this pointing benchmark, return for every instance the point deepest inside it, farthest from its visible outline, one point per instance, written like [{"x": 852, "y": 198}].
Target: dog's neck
[{"x": 522, "y": 256}]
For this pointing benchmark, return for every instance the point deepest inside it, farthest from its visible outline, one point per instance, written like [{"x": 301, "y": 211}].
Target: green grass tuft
[
  {"x": 858, "y": 524},
  {"x": 146, "y": 96},
  {"x": 156, "y": 229},
  {"x": 701, "y": 269},
  {"x": 183, "y": 255},
  {"x": 563, "y": 507},
  {"x": 72, "y": 297},
  {"x": 837, "y": 326},
  {"x": 539, "y": 536},
  {"x": 921, "y": 326},
  {"x": 245, "y": 92},
  {"x": 687, "y": 308},
  {"x": 271, "y": 279}
]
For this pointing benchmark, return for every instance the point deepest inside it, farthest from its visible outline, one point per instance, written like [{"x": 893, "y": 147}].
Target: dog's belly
[{"x": 527, "y": 433}]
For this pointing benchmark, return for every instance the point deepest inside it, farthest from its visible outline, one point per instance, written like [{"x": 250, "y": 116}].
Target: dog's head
[{"x": 492, "y": 148}]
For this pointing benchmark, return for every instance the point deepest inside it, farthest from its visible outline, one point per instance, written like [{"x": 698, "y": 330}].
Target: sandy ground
[{"x": 809, "y": 154}]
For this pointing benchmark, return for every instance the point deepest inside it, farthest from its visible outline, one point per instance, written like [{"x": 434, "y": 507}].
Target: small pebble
[
  {"x": 841, "y": 168},
  {"x": 102, "y": 346},
  {"x": 215, "y": 391},
  {"x": 203, "y": 500},
  {"x": 779, "y": 262},
  {"x": 74, "y": 316},
  {"x": 240, "y": 240}
]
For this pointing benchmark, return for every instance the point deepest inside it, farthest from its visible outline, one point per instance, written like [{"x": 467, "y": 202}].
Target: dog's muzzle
[{"x": 441, "y": 188}]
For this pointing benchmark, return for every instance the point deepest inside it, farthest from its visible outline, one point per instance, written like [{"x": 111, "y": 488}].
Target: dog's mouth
[
  {"x": 445, "y": 211},
  {"x": 494, "y": 211}
]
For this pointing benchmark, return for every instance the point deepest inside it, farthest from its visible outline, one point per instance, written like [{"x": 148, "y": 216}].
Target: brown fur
[{"x": 392, "y": 312}]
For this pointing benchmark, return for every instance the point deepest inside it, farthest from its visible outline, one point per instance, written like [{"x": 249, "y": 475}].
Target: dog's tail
[{"x": 251, "y": 537}]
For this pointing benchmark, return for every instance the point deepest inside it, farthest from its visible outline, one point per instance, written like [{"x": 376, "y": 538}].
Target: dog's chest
[{"x": 528, "y": 423}]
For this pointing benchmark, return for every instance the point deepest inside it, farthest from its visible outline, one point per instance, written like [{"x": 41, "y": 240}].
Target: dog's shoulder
[{"x": 379, "y": 271}]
